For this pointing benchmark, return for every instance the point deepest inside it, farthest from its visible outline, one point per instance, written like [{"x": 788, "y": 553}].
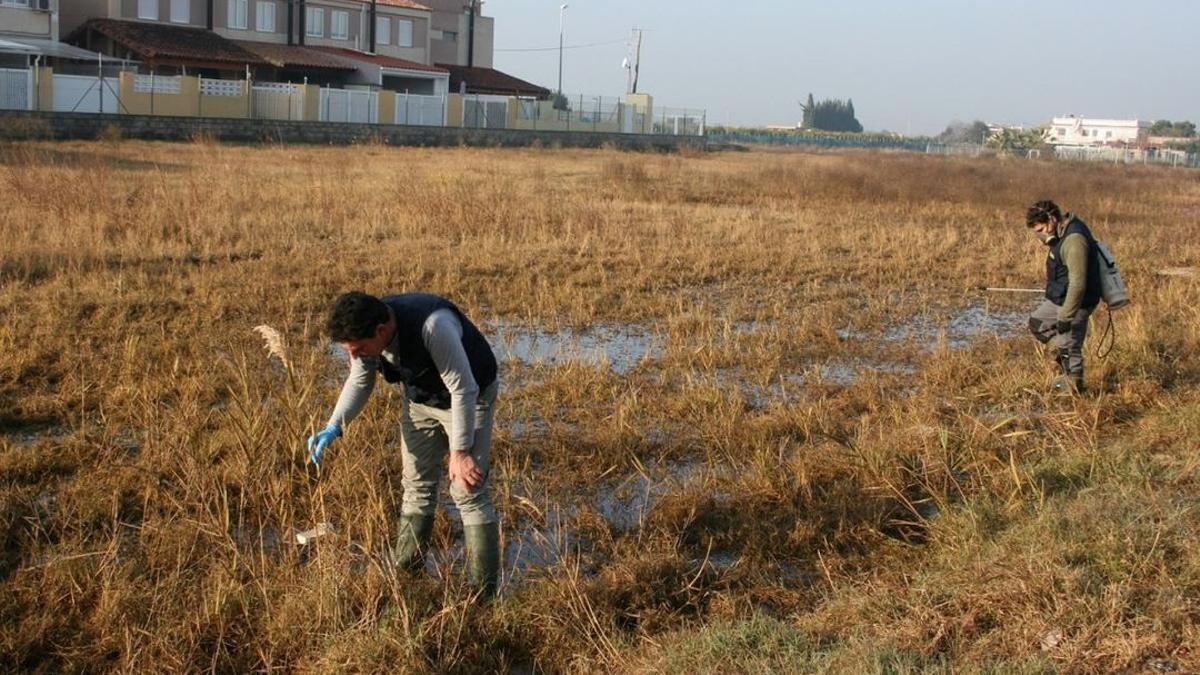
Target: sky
[{"x": 910, "y": 66}]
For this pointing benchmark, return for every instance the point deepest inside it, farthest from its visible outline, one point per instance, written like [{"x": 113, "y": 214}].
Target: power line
[{"x": 554, "y": 49}]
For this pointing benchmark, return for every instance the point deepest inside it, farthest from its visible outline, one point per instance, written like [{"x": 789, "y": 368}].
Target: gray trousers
[
  {"x": 426, "y": 442},
  {"x": 1042, "y": 324}
]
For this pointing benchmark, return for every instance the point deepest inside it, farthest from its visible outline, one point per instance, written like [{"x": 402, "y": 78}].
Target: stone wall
[{"x": 66, "y": 126}]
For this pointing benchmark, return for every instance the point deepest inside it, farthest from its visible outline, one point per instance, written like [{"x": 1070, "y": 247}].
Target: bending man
[
  {"x": 448, "y": 373},
  {"x": 1072, "y": 289}
]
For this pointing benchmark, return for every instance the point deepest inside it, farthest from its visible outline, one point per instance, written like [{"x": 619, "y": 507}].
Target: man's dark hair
[
  {"x": 355, "y": 316},
  {"x": 1041, "y": 212}
]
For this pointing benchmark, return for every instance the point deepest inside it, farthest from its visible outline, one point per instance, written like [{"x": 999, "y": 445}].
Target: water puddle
[
  {"x": 621, "y": 348},
  {"x": 959, "y": 329},
  {"x": 625, "y": 503},
  {"x": 792, "y": 386}
]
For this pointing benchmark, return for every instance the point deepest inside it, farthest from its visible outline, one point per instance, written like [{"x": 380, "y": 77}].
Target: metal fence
[
  {"x": 679, "y": 122},
  {"x": 485, "y": 112},
  {"x": 823, "y": 141},
  {"x": 420, "y": 110},
  {"x": 276, "y": 101},
  {"x": 350, "y": 105},
  {"x": 580, "y": 112},
  {"x": 101, "y": 91},
  {"x": 16, "y": 89},
  {"x": 1161, "y": 156},
  {"x": 1129, "y": 156}
]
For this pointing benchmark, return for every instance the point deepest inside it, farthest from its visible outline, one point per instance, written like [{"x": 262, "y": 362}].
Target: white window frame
[
  {"x": 450, "y": 36},
  {"x": 339, "y": 16},
  {"x": 263, "y": 9},
  {"x": 383, "y": 30},
  {"x": 404, "y": 36},
  {"x": 181, "y": 11},
  {"x": 238, "y": 14},
  {"x": 147, "y": 9},
  {"x": 314, "y": 22}
]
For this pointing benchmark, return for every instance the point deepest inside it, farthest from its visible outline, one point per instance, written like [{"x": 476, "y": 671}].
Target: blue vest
[
  {"x": 416, "y": 369},
  {"x": 1056, "y": 269}
]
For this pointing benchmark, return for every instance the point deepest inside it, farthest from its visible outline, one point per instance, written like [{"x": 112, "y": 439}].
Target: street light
[{"x": 561, "y": 9}]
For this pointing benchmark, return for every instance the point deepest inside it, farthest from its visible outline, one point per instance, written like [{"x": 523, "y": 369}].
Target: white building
[{"x": 1085, "y": 131}]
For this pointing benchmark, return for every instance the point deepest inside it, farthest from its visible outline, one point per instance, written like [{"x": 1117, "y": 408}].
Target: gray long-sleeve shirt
[
  {"x": 442, "y": 335},
  {"x": 1074, "y": 253}
]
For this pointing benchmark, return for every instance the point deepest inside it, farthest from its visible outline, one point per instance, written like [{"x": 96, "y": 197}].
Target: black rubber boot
[
  {"x": 483, "y": 558},
  {"x": 412, "y": 539}
]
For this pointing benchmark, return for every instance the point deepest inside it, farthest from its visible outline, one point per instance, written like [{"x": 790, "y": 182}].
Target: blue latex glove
[{"x": 321, "y": 440}]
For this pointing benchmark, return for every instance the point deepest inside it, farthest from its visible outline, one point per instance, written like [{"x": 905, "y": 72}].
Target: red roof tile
[
  {"x": 380, "y": 60},
  {"x": 490, "y": 81},
  {"x": 297, "y": 57},
  {"x": 163, "y": 42}
]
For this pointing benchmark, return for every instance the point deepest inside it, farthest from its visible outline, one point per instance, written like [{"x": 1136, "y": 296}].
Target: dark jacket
[
  {"x": 1056, "y": 269},
  {"x": 416, "y": 369}
]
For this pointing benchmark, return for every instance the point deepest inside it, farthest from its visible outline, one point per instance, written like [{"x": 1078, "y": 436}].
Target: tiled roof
[
  {"x": 490, "y": 81},
  {"x": 164, "y": 42},
  {"x": 297, "y": 57},
  {"x": 379, "y": 59}
]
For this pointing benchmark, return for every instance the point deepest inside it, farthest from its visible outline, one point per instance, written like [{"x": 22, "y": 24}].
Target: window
[
  {"x": 314, "y": 21},
  {"x": 265, "y": 23},
  {"x": 405, "y": 38},
  {"x": 339, "y": 28},
  {"x": 1062, "y": 132},
  {"x": 181, "y": 11},
  {"x": 1108, "y": 134},
  {"x": 383, "y": 30},
  {"x": 449, "y": 36},
  {"x": 238, "y": 10},
  {"x": 148, "y": 9}
]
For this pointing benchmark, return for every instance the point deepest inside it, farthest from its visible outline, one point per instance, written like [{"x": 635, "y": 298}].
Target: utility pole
[
  {"x": 561, "y": 8},
  {"x": 637, "y": 58}
]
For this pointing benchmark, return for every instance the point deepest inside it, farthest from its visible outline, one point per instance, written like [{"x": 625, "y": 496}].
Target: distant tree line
[
  {"x": 830, "y": 115},
  {"x": 1182, "y": 129},
  {"x": 961, "y": 132}
]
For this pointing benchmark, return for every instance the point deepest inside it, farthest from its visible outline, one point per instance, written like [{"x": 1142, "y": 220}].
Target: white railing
[
  {"x": 349, "y": 105},
  {"x": 278, "y": 87},
  {"x": 277, "y": 101},
  {"x": 153, "y": 84},
  {"x": 222, "y": 87},
  {"x": 421, "y": 110},
  {"x": 16, "y": 89}
]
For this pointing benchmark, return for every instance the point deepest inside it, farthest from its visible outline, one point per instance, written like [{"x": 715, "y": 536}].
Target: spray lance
[{"x": 1109, "y": 333}]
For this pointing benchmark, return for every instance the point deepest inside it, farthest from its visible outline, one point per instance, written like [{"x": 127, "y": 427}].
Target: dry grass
[{"x": 731, "y": 503}]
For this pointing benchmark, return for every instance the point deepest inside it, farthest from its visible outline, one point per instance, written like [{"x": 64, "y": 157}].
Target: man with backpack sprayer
[
  {"x": 449, "y": 375},
  {"x": 1072, "y": 289}
]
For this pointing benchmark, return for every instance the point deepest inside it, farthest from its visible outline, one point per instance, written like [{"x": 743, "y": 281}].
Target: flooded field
[{"x": 752, "y": 404}]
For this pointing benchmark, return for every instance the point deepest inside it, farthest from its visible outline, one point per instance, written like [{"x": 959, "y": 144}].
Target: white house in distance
[{"x": 1086, "y": 131}]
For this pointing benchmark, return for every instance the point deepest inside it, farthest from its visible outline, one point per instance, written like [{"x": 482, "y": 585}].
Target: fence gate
[
  {"x": 349, "y": 105},
  {"x": 16, "y": 89},
  {"x": 421, "y": 110},
  {"x": 485, "y": 112},
  {"x": 277, "y": 101},
  {"x": 81, "y": 93}
]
